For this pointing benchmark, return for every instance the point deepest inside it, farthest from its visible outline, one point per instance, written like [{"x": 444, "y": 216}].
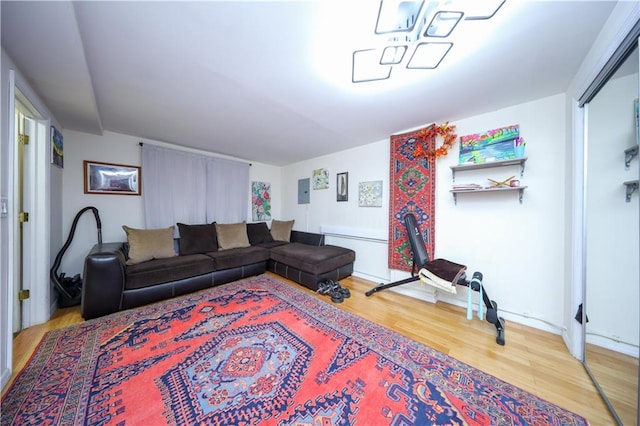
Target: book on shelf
[{"x": 466, "y": 187}]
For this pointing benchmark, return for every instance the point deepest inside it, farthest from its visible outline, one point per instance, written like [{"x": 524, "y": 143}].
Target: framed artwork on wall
[
  {"x": 342, "y": 186},
  {"x": 320, "y": 179},
  {"x": 492, "y": 145},
  {"x": 105, "y": 178},
  {"x": 260, "y": 201},
  {"x": 57, "y": 152},
  {"x": 370, "y": 194}
]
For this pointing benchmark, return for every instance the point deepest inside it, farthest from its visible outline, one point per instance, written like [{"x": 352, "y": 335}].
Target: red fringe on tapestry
[{"x": 412, "y": 185}]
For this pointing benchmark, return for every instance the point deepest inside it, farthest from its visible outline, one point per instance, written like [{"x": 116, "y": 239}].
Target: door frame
[{"x": 37, "y": 308}]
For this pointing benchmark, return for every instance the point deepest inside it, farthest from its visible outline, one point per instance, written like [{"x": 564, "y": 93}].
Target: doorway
[{"x": 29, "y": 254}]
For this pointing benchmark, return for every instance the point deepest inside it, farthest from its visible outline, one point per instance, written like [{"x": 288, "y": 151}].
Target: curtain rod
[{"x": 189, "y": 149}]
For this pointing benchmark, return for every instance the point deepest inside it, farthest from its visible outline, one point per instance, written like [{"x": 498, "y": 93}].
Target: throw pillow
[
  {"x": 148, "y": 244},
  {"x": 232, "y": 235},
  {"x": 196, "y": 239},
  {"x": 258, "y": 233},
  {"x": 281, "y": 230}
]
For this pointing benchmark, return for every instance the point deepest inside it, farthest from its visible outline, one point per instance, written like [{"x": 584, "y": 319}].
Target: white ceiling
[{"x": 270, "y": 81}]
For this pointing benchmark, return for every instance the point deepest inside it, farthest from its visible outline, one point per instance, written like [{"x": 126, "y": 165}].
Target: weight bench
[{"x": 436, "y": 267}]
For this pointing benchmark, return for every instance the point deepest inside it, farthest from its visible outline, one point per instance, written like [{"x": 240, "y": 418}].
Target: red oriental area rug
[
  {"x": 257, "y": 351},
  {"x": 412, "y": 185}
]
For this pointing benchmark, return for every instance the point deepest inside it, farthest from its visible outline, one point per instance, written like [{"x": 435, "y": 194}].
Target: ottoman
[{"x": 308, "y": 265}]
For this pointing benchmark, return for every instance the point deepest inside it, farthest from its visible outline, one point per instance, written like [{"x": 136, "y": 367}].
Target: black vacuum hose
[{"x": 53, "y": 273}]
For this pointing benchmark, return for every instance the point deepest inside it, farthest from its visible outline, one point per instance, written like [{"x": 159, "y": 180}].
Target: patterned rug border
[{"x": 367, "y": 333}]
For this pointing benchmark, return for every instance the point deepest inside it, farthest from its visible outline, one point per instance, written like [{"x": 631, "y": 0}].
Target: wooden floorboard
[{"x": 534, "y": 360}]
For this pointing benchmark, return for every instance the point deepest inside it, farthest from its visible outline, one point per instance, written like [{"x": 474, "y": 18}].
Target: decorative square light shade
[
  {"x": 417, "y": 34},
  {"x": 479, "y": 10},
  {"x": 392, "y": 55},
  {"x": 442, "y": 24},
  {"x": 428, "y": 55},
  {"x": 367, "y": 66},
  {"x": 398, "y": 15}
]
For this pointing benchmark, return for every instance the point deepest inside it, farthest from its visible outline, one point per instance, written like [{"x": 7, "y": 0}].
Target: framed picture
[
  {"x": 342, "y": 186},
  {"x": 57, "y": 151},
  {"x": 492, "y": 145},
  {"x": 105, "y": 178},
  {"x": 260, "y": 201},
  {"x": 320, "y": 179},
  {"x": 370, "y": 194}
]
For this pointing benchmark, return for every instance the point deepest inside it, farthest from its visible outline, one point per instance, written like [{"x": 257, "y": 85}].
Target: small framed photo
[
  {"x": 342, "y": 186},
  {"x": 105, "y": 178},
  {"x": 57, "y": 148},
  {"x": 370, "y": 194}
]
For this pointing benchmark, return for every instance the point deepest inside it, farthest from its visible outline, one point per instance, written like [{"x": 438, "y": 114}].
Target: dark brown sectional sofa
[{"x": 111, "y": 285}]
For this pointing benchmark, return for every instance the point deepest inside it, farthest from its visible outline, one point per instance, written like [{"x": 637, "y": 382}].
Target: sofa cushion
[
  {"x": 147, "y": 244},
  {"x": 159, "y": 271},
  {"x": 225, "y": 259},
  {"x": 312, "y": 259},
  {"x": 272, "y": 244},
  {"x": 258, "y": 233},
  {"x": 281, "y": 230},
  {"x": 232, "y": 235},
  {"x": 197, "y": 238}
]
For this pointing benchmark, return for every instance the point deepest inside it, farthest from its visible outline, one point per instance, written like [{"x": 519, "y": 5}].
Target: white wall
[
  {"x": 5, "y": 280},
  {"x": 612, "y": 223},
  {"x": 116, "y": 210},
  {"x": 325, "y": 214},
  {"x": 518, "y": 247}
]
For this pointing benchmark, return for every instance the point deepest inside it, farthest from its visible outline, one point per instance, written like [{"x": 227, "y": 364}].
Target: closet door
[{"x": 612, "y": 240}]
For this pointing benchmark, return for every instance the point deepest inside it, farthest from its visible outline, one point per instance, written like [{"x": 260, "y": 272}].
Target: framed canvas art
[
  {"x": 320, "y": 179},
  {"x": 370, "y": 194},
  {"x": 260, "y": 201},
  {"x": 342, "y": 186},
  {"x": 57, "y": 151},
  {"x": 105, "y": 178}
]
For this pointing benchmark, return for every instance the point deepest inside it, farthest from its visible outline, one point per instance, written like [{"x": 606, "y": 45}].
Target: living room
[{"x": 525, "y": 248}]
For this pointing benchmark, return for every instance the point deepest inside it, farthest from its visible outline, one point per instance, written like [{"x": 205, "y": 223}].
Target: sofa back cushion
[
  {"x": 258, "y": 233},
  {"x": 148, "y": 244},
  {"x": 281, "y": 230},
  {"x": 232, "y": 235},
  {"x": 195, "y": 239}
]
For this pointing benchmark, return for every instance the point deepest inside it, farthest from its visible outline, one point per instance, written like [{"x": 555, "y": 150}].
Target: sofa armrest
[
  {"x": 103, "y": 280},
  {"x": 309, "y": 238}
]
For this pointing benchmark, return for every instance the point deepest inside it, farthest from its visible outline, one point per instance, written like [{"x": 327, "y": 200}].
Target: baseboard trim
[{"x": 6, "y": 375}]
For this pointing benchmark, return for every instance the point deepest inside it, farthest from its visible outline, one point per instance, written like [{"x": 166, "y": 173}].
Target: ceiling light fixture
[
  {"x": 367, "y": 66},
  {"x": 443, "y": 24},
  {"x": 392, "y": 55},
  {"x": 418, "y": 30},
  {"x": 428, "y": 55},
  {"x": 398, "y": 16}
]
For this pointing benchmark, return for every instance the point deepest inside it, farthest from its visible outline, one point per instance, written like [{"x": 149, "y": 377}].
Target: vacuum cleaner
[{"x": 70, "y": 288}]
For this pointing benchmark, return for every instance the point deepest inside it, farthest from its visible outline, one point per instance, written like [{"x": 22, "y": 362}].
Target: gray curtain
[{"x": 179, "y": 186}]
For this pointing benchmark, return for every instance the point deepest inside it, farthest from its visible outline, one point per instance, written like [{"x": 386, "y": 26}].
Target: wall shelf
[
  {"x": 488, "y": 165},
  {"x": 631, "y": 187},
  {"x": 629, "y": 153},
  {"x": 455, "y": 192}
]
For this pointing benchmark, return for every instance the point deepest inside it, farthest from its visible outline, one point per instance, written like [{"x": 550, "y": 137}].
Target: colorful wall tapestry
[
  {"x": 412, "y": 188},
  {"x": 261, "y": 201}
]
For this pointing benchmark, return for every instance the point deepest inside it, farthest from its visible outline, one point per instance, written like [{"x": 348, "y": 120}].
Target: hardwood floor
[{"x": 533, "y": 360}]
